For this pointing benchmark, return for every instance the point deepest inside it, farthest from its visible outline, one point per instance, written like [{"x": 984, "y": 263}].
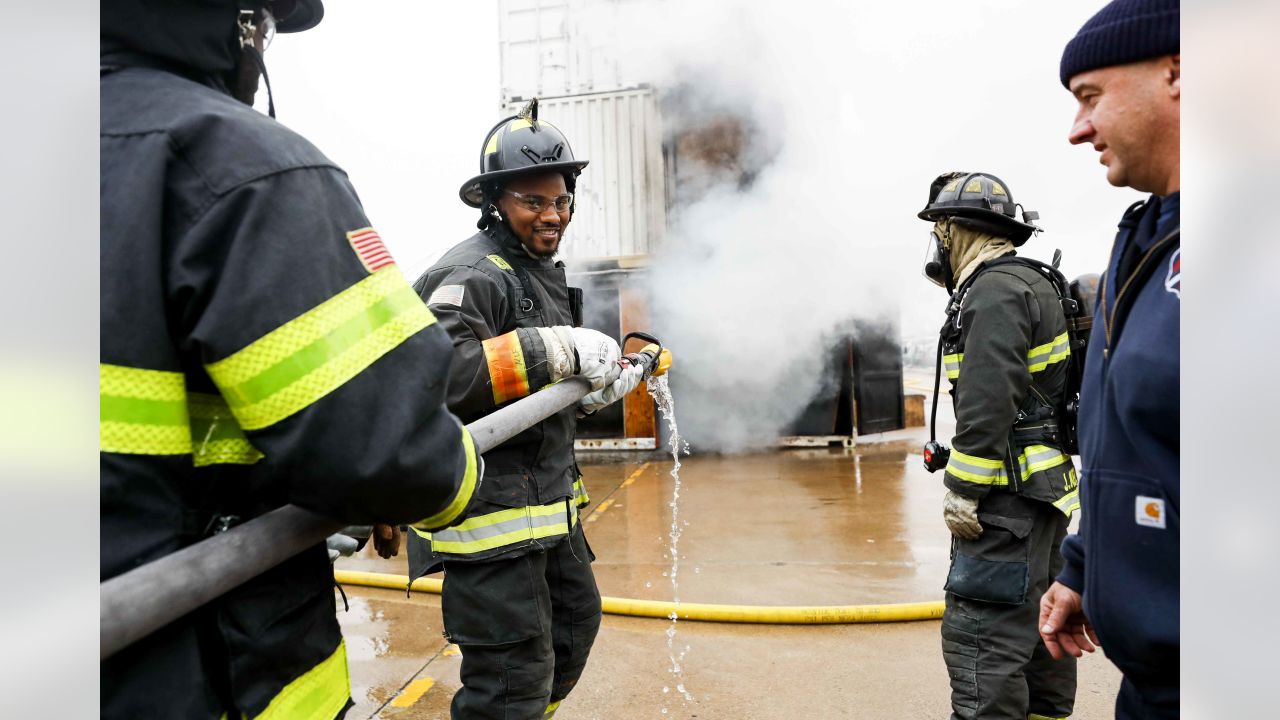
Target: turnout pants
[
  {"x": 525, "y": 626},
  {"x": 999, "y": 666}
]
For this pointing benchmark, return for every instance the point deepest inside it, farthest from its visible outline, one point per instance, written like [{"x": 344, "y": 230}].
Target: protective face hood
[
  {"x": 198, "y": 35},
  {"x": 969, "y": 248}
]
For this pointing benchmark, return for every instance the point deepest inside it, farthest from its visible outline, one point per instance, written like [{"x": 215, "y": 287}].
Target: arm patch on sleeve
[{"x": 447, "y": 295}]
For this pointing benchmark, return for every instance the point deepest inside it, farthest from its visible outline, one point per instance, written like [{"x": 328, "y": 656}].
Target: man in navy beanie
[{"x": 1120, "y": 581}]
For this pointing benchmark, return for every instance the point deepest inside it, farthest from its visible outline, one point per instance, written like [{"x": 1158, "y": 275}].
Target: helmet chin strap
[
  {"x": 262, "y": 68},
  {"x": 248, "y": 35}
]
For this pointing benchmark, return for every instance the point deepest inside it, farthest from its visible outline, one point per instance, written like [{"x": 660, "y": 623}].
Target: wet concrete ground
[{"x": 796, "y": 527}]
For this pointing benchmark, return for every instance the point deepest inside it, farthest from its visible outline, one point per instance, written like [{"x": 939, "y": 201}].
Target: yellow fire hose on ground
[{"x": 706, "y": 612}]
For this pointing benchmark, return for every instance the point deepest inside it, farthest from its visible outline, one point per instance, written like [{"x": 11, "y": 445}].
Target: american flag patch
[{"x": 369, "y": 248}]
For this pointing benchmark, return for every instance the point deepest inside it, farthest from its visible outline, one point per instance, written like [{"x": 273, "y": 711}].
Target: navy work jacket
[{"x": 1125, "y": 558}]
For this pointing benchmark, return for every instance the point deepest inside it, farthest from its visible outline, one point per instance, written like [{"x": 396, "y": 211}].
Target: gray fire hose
[{"x": 145, "y": 599}]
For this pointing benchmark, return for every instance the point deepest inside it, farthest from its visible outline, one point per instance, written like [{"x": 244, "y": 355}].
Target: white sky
[{"x": 400, "y": 94}]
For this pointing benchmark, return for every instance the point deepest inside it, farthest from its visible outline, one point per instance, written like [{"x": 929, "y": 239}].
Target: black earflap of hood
[{"x": 199, "y": 35}]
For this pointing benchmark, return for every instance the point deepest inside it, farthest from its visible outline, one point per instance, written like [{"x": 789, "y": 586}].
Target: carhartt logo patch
[
  {"x": 369, "y": 248},
  {"x": 1149, "y": 512},
  {"x": 1173, "y": 280}
]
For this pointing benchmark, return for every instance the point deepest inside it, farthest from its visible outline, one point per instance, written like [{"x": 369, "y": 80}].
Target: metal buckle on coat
[
  {"x": 221, "y": 523},
  {"x": 526, "y": 305}
]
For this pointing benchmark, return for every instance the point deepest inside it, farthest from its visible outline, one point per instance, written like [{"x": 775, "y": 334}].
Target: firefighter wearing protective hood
[
  {"x": 1010, "y": 488},
  {"x": 256, "y": 343},
  {"x": 520, "y": 599}
]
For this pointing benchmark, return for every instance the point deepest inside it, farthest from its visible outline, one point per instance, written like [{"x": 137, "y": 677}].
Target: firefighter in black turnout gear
[
  {"x": 1010, "y": 487},
  {"x": 520, "y": 599},
  {"x": 258, "y": 347}
]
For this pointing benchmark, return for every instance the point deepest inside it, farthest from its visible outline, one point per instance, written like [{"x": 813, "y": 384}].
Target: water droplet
[{"x": 648, "y": 584}]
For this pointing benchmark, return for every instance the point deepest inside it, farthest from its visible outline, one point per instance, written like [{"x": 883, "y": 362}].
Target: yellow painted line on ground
[
  {"x": 413, "y": 692},
  {"x": 600, "y": 510},
  {"x": 634, "y": 474},
  {"x": 450, "y": 651}
]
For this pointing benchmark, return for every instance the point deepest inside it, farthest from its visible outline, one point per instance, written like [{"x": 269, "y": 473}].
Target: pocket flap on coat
[{"x": 1020, "y": 527}]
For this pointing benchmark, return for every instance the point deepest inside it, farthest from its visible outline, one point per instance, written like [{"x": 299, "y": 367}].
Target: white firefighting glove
[
  {"x": 340, "y": 544},
  {"x": 598, "y": 356},
  {"x": 559, "y": 343},
  {"x": 626, "y": 382},
  {"x": 961, "y": 515}
]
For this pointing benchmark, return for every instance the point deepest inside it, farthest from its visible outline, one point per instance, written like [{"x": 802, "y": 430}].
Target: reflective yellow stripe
[
  {"x": 1033, "y": 716},
  {"x": 507, "y": 371},
  {"x": 1068, "y": 503},
  {"x": 951, "y": 363},
  {"x": 1040, "y": 457},
  {"x": 150, "y": 412},
  {"x": 463, "y": 497},
  {"x": 505, "y": 527},
  {"x": 312, "y": 355},
  {"x": 492, "y": 146},
  {"x": 580, "y": 496},
  {"x": 142, "y": 412},
  {"x": 985, "y": 471},
  {"x": 216, "y": 436},
  {"x": 502, "y": 264},
  {"x": 1039, "y": 358},
  {"x": 974, "y": 469},
  {"x": 550, "y": 712},
  {"x": 320, "y": 693}
]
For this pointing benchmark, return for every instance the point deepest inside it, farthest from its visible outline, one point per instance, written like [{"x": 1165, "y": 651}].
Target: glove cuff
[{"x": 562, "y": 356}]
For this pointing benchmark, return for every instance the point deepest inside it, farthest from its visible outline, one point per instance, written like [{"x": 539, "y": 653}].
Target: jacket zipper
[{"x": 1108, "y": 318}]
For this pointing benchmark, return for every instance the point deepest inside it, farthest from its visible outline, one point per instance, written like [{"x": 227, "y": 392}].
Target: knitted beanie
[{"x": 1124, "y": 31}]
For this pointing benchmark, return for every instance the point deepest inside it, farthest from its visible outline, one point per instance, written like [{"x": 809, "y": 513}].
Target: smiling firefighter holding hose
[{"x": 520, "y": 599}]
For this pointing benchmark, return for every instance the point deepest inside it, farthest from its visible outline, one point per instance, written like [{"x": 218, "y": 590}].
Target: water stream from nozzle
[{"x": 661, "y": 392}]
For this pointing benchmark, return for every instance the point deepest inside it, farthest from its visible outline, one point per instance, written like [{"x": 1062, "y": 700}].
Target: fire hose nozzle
[
  {"x": 656, "y": 359},
  {"x": 653, "y": 357}
]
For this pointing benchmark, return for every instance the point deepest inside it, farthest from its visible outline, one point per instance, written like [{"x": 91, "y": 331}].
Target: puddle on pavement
[{"x": 661, "y": 392}]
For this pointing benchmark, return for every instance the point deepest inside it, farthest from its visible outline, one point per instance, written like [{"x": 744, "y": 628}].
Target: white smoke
[
  {"x": 757, "y": 279},
  {"x": 845, "y": 112}
]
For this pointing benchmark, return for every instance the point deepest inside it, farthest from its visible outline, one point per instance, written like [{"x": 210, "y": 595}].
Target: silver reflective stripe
[
  {"x": 1034, "y": 459},
  {"x": 972, "y": 472},
  {"x": 1068, "y": 503},
  {"x": 951, "y": 363},
  {"x": 1038, "y": 457},
  {"x": 485, "y": 532},
  {"x": 1043, "y": 356}
]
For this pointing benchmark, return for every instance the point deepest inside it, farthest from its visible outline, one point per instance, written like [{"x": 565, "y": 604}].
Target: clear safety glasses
[{"x": 538, "y": 203}]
